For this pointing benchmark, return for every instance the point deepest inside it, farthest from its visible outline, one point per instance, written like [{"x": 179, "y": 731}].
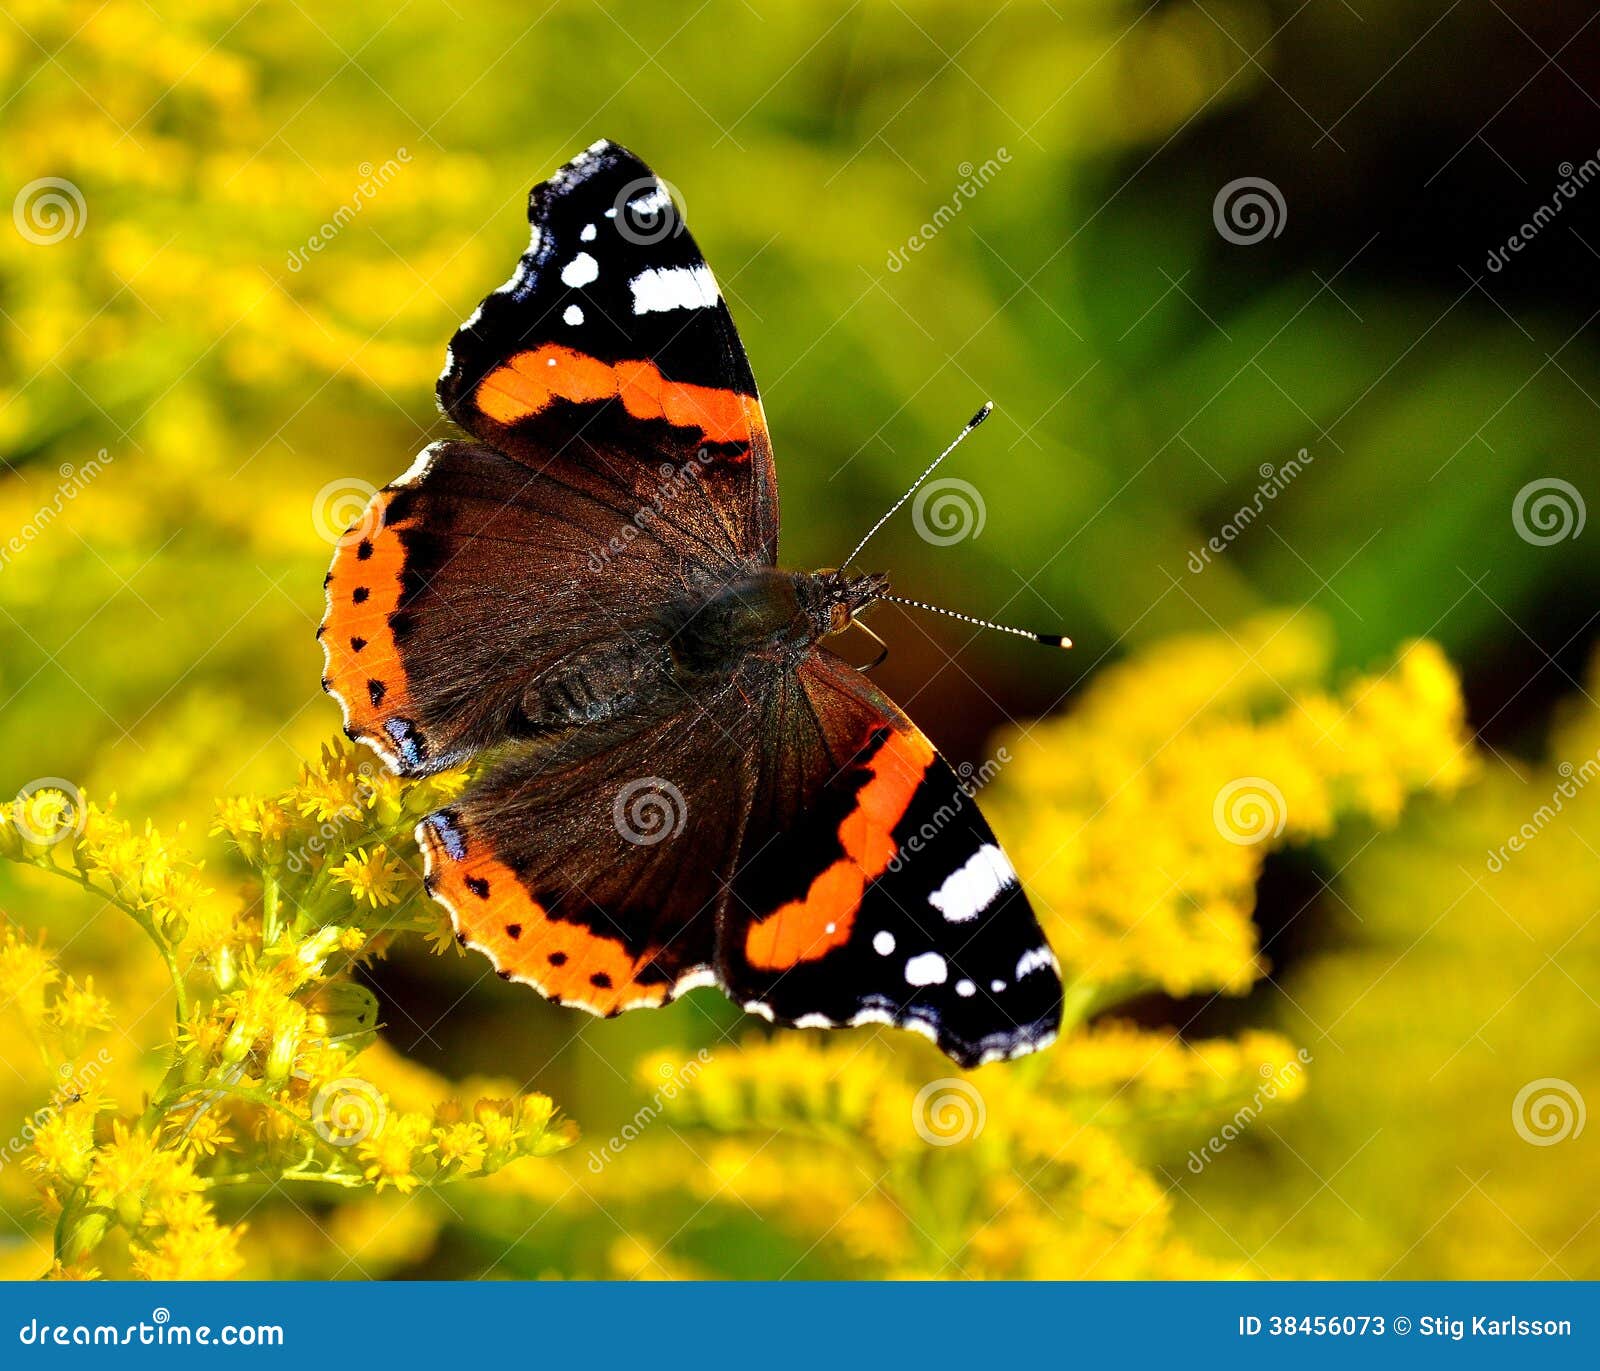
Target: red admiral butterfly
[{"x": 683, "y": 786}]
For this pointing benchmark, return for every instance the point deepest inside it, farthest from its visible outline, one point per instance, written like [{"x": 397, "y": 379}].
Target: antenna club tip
[
  {"x": 982, "y": 414},
  {"x": 1055, "y": 640}
]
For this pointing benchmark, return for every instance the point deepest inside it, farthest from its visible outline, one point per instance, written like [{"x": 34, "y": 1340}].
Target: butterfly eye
[{"x": 838, "y": 616}]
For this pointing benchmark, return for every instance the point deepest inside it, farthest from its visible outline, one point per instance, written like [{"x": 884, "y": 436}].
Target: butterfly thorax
[{"x": 767, "y": 613}]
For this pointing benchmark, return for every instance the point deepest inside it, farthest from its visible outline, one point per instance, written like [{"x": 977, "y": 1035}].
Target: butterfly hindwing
[{"x": 593, "y": 867}]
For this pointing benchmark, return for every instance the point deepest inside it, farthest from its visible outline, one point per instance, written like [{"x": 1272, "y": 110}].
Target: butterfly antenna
[
  {"x": 1047, "y": 639},
  {"x": 972, "y": 423}
]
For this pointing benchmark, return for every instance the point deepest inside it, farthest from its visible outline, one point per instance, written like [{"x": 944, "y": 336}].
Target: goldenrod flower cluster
[
  {"x": 1471, "y": 980},
  {"x": 271, "y": 1077},
  {"x": 1140, "y": 819}
]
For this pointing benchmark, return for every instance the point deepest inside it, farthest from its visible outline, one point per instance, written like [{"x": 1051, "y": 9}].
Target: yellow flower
[
  {"x": 64, "y": 1144},
  {"x": 201, "y": 1132},
  {"x": 133, "y": 1170},
  {"x": 27, "y": 973},
  {"x": 327, "y": 799},
  {"x": 461, "y": 1145},
  {"x": 75, "y": 1271},
  {"x": 373, "y": 879},
  {"x": 264, "y": 1032},
  {"x": 441, "y": 935},
  {"x": 183, "y": 1209},
  {"x": 78, "y": 1011},
  {"x": 391, "y": 1154},
  {"x": 497, "y": 1119},
  {"x": 206, "y": 1252},
  {"x": 44, "y": 816},
  {"x": 238, "y": 816}
]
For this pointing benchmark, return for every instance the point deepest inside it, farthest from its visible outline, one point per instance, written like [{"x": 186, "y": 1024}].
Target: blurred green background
[{"x": 1150, "y": 371}]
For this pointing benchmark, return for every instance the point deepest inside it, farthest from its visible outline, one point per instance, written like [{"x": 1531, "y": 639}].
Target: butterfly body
[
  {"x": 769, "y": 615},
  {"x": 681, "y": 783}
]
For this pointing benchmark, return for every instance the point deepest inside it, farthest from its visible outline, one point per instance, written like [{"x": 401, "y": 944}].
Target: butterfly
[{"x": 677, "y": 782}]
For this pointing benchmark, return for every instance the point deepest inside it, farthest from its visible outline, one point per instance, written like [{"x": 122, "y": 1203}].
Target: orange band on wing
[
  {"x": 530, "y": 381},
  {"x": 363, "y": 665},
  {"x": 493, "y": 912},
  {"x": 808, "y": 928}
]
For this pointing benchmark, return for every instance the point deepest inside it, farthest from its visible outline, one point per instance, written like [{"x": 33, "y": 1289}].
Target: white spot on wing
[
  {"x": 883, "y": 942},
  {"x": 966, "y": 989},
  {"x": 572, "y": 315},
  {"x": 926, "y": 968},
  {"x": 580, "y": 271},
  {"x": 667, "y": 288},
  {"x": 967, "y": 892},
  {"x": 651, "y": 200},
  {"x": 1036, "y": 959},
  {"x": 587, "y": 234},
  {"x": 693, "y": 980},
  {"x": 867, "y": 1016}
]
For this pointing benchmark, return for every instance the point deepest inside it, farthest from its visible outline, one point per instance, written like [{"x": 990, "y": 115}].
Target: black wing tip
[{"x": 604, "y": 155}]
